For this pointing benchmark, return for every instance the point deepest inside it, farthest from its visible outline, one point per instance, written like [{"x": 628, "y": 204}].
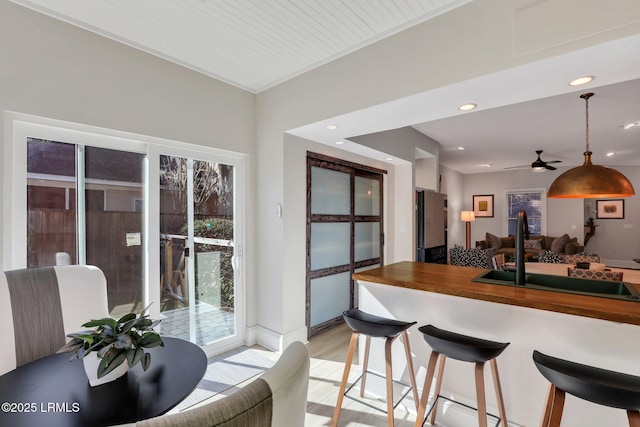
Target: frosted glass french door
[{"x": 344, "y": 234}]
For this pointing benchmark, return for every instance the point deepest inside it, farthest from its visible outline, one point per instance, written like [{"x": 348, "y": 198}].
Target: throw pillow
[
  {"x": 532, "y": 244},
  {"x": 474, "y": 257},
  {"x": 494, "y": 241},
  {"x": 550, "y": 257},
  {"x": 558, "y": 244},
  {"x": 508, "y": 242},
  {"x": 548, "y": 241}
]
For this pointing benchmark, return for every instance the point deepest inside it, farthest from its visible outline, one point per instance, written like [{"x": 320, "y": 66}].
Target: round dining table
[{"x": 54, "y": 391}]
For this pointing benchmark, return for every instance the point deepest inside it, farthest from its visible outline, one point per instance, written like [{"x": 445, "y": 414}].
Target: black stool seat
[
  {"x": 447, "y": 344},
  {"x": 601, "y": 386},
  {"x": 374, "y": 326},
  {"x": 461, "y": 347}
]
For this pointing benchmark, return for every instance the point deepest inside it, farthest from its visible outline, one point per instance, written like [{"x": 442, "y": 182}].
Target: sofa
[{"x": 562, "y": 245}]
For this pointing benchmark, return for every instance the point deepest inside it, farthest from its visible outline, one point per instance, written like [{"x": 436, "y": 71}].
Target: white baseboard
[{"x": 273, "y": 340}]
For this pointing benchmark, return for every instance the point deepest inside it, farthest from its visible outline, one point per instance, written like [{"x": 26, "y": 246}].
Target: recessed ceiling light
[
  {"x": 339, "y": 142},
  {"x": 610, "y": 153},
  {"x": 389, "y": 159},
  {"x": 581, "y": 80},
  {"x": 332, "y": 127},
  {"x": 460, "y": 148},
  {"x": 631, "y": 125},
  {"x": 467, "y": 107},
  {"x": 486, "y": 165}
]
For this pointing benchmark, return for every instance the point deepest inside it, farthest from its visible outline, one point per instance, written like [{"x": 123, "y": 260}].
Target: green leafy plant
[
  {"x": 116, "y": 341},
  {"x": 207, "y": 284}
]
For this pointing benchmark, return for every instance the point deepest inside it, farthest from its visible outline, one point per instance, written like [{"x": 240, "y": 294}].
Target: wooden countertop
[{"x": 456, "y": 281}]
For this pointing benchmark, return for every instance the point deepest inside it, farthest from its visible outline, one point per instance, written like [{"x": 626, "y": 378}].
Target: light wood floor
[{"x": 328, "y": 353}]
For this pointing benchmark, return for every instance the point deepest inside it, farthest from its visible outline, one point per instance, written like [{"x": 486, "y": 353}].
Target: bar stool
[
  {"x": 601, "y": 386},
  {"x": 467, "y": 349},
  {"x": 378, "y": 327}
]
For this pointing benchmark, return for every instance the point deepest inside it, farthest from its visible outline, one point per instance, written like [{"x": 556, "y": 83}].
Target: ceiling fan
[{"x": 539, "y": 165}]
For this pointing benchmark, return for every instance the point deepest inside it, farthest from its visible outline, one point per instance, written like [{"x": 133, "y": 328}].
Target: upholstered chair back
[
  {"x": 278, "y": 398},
  {"x": 39, "y": 306},
  {"x": 583, "y": 273},
  {"x": 581, "y": 257}
]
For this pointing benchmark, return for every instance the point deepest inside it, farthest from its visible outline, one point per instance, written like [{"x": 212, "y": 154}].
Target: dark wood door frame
[{"x": 354, "y": 170}]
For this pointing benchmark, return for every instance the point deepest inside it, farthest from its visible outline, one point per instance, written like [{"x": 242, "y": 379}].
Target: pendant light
[{"x": 589, "y": 180}]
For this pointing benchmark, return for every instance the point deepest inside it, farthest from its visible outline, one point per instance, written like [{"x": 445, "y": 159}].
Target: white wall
[
  {"x": 479, "y": 39},
  {"x": 55, "y": 70},
  {"x": 293, "y": 262},
  {"x": 562, "y": 214},
  {"x": 51, "y": 69},
  {"x": 617, "y": 241},
  {"x": 453, "y": 187}
]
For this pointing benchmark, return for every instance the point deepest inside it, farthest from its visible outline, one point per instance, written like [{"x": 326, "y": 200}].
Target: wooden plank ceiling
[{"x": 253, "y": 44}]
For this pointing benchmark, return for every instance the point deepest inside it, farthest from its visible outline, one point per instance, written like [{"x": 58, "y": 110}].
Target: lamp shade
[
  {"x": 590, "y": 181},
  {"x": 467, "y": 216}
]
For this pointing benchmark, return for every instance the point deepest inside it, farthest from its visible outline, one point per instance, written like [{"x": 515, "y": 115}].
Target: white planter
[{"x": 91, "y": 362}]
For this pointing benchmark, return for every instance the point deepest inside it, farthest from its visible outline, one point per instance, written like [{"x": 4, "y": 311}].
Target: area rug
[{"x": 225, "y": 371}]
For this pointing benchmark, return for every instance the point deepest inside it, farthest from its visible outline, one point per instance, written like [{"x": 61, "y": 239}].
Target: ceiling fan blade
[
  {"x": 551, "y": 168},
  {"x": 519, "y": 167},
  {"x": 554, "y": 161}
]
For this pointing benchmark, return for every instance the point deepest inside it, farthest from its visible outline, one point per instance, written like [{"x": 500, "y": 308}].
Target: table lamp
[{"x": 468, "y": 217}]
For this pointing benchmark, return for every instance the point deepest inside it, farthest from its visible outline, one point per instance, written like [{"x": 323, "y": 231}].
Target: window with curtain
[{"x": 532, "y": 202}]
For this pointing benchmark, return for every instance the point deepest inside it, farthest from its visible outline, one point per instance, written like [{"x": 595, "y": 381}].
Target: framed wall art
[
  {"x": 610, "y": 209},
  {"x": 483, "y": 206}
]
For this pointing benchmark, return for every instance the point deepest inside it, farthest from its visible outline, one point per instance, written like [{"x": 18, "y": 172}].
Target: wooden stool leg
[
  {"x": 412, "y": 377},
  {"x": 365, "y": 365},
  {"x": 634, "y": 418},
  {"x": 546, "y": 417},
  {"x": 434, "y": 411},
  {"x": 428, "y": 379},
  {"x": 496, "y": 384},
  {"x": 345, "y": 377},
  {"x": 389, "y": 373},
  {"x": 555, "y": 405},
  {"x": 480, "y": 396}
]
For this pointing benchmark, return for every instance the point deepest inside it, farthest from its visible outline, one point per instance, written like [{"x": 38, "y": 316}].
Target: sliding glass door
[
  {"x": 197, "y": 224},
  {"x": 344, "y": 235},
  {"x": 84, "y": 207},
  {"x": 164, "y": 222}
]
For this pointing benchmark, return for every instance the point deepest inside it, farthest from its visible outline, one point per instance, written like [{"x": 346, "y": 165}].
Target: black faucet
[{"x": 522, "y": 232}]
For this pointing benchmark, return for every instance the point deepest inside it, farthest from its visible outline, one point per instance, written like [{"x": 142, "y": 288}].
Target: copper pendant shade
[{"x": 589, "y": 180}]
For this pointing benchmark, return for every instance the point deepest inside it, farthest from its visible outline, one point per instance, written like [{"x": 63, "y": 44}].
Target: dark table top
[{"x": 55, "y": 392}]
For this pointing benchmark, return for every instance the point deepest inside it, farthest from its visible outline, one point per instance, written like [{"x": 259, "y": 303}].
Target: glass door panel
[
  {"x": 330, "y": 193},
  {"x": 84, "y": 207},
  {"x": 197, "y": 249},
  {"x": 51, "y": 203},
  {"x": 367, "y": 196},
  {"x": 330, "y": 243},
  {"x": 329, "y": 291},
  {"x": 113, "y": 217},
  {"x": 366, "y": 240},
  {"x": 330, "y": 296}
]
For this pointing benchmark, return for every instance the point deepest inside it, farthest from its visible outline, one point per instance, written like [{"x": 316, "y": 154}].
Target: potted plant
[{"x": 113, "y": 342}]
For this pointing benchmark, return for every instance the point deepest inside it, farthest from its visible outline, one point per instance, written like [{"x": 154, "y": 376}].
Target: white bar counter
[{"x": 597, "y": 331}]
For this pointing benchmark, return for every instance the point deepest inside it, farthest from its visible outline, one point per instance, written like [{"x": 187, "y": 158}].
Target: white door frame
[{"x": 13, "y": 252}]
